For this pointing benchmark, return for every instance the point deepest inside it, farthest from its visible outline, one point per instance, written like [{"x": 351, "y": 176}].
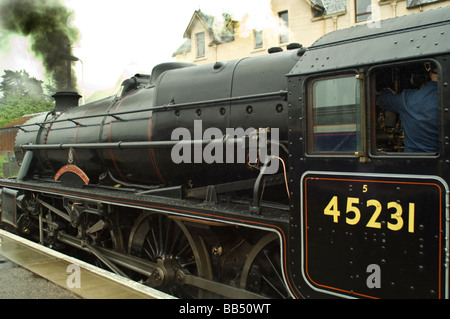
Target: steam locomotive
[{"x": 277, "y": 176}]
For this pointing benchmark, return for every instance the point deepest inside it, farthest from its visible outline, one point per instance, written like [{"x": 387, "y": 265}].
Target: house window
[
  {"x": 284, "y": 26},
  {"x": 200, "y": 39},
  {"x": 258, "y": 38},
  {"x": 363, "y": 10},
  {"x": 335, "y": 118}
]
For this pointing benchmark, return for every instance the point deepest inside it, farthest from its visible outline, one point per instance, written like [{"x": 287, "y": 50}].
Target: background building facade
[{"x": 210, "y": 39}]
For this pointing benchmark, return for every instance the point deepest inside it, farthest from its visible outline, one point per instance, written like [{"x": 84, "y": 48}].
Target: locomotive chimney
[{"x": 65, "y": 100}]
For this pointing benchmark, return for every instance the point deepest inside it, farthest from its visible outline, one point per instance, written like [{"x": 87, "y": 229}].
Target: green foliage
[
  {"x": 22, "y": 95},
  {"x": 16, "y": 106}
]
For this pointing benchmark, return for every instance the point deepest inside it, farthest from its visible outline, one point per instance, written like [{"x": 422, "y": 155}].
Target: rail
[
  {"x": 127, "y": 145},
  {"x": 166, "y": 107}
]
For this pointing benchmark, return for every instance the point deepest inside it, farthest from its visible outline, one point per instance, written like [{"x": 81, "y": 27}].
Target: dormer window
[{"x": 200, "y": 41}]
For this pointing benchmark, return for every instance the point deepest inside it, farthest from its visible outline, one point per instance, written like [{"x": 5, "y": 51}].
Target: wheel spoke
[
  {"x": 153, "y": 236},
  {"x": 175, "y": 240},
  {"x": 169, "y": 243},
  {"x": 161, "y": 241},
  {"x": 274, "y": 268},
  {"x": 183, "y": 250},
  {"x": 167, "y": 240},
  {"x": 262, "y": 269},
  {"x": 148, "y": 253},
  {"x": 187, "y": 264},
  {"x": 273, "y": 286},
  {"x": 153, "y": 256}
]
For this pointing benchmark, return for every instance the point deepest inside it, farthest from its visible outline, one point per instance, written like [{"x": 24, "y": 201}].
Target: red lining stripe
[
  {"x": 150, "y": 150},
  {"x": 75, "y": 139},
  {"x": 46, "y": 142},
  {"x": 109, "y": 139}
]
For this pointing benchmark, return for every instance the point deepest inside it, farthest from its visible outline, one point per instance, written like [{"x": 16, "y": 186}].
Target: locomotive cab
[{"x": 362, "y": 200}]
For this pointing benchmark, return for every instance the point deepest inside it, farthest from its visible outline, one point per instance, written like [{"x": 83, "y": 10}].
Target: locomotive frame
[{"x": 360, "y": 217}]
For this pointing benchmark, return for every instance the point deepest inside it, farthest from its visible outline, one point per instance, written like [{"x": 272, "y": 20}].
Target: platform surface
[
  {"x": 73, "y": 278},
  {"x": 19, "y": 283}
]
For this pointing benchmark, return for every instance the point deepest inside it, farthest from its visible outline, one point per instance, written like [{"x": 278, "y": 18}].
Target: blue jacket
[{"x": 418, "y": 111}]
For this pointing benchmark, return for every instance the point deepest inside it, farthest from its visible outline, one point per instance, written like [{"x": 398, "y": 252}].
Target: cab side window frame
[
  {"x": 335, "y": 115},
  {"x": 386, "y": 130}
]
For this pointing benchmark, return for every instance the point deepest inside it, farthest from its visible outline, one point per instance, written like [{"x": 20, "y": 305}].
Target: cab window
[{"x": 335, "y": 116}]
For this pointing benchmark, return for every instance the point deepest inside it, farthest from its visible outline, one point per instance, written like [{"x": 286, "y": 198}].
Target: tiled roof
[
  {"x": 219, "y": 32},
  {"x": 330, "y": 6}
]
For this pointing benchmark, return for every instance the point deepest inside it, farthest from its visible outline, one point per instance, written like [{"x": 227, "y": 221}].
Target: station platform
[{"x": 45, "y": 273}]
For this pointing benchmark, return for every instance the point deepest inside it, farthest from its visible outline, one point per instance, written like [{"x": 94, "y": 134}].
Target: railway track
[{"x": 80, "y": 278}]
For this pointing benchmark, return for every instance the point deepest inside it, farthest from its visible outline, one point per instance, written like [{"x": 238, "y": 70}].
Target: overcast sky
[{"x": 120, "y": 38}]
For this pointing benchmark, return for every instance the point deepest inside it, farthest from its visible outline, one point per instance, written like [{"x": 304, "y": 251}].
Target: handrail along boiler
[{"x": 347, "y": 213}]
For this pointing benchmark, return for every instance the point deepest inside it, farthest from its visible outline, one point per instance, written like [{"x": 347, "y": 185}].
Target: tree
[
  {"x": 20, "y": 83},
  {"x": 22, "y": 95}
]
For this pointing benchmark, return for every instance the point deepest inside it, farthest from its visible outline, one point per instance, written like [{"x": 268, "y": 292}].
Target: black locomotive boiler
[{"x": 276, "y": 176}]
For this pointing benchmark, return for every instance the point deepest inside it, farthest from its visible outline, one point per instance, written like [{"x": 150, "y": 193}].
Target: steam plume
[{"x": 45, "y": 24}]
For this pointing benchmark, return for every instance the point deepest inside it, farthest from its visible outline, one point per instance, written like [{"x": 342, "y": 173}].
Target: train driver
[{"x": 418, "y": 110}]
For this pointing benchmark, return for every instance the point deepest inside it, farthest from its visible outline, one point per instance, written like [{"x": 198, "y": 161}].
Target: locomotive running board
[{"x": 209, "y": 193}]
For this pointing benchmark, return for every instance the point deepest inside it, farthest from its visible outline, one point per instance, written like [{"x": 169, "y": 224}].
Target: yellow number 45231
[{"x": 353, "y": 213}]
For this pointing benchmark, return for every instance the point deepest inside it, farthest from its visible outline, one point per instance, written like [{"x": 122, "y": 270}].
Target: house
[
  {"x": 210, "y": 39},
  {"x": 203, "y": 36}
]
